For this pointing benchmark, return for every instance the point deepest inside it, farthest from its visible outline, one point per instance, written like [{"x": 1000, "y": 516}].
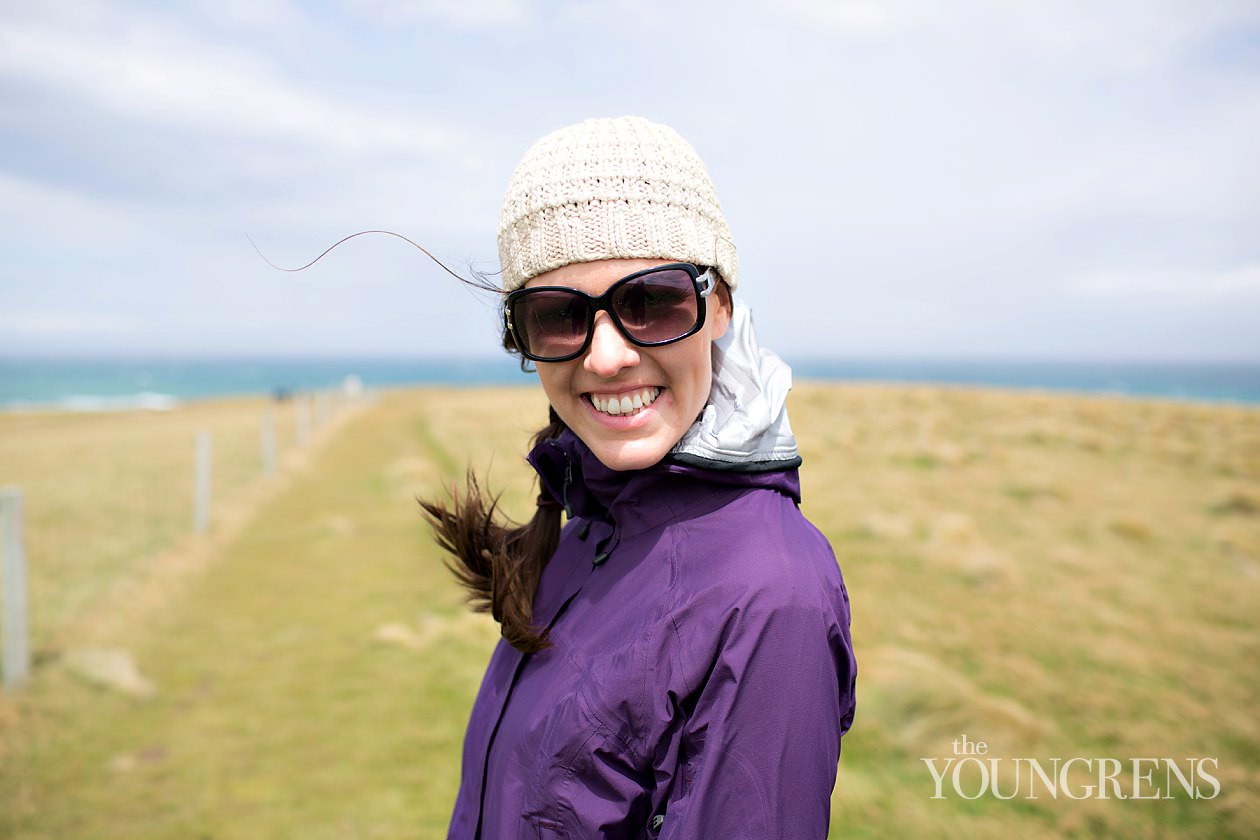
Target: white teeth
[{"x": 617, "y": 405}]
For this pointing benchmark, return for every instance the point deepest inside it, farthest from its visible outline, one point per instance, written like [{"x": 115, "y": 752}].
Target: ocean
[{"x": 105, "y": 384}]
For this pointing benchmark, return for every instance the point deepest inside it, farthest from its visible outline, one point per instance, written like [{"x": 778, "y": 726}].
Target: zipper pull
[
  {"x": 605, "y": 547},
  {"x": 564, "y": 491}
]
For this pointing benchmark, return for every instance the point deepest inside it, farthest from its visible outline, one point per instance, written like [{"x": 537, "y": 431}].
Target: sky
[{"x": 1049, "y": 179}]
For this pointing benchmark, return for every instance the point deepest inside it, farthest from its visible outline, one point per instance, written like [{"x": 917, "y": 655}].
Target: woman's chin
[
  {"x": 630, "y": 454},
  {"x": 632, "y": 441}
]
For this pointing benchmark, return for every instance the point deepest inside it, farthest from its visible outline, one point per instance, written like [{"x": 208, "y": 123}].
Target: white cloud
[
  {"x": 858, "y": 17},
  {"x": 1130, "y": 35},
  {"x": 66, "y": 323},
  {"x": 1179, "y": 285},
  {"x": 1127, "y": 35},
  {"x": 151, "y": 71},
  {"x": 252, "y": 14},
  {"x": 30, "y": 210},
  {"x": 457, "y": 14}
]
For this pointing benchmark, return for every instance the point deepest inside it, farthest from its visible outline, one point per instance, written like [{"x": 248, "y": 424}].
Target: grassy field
[{"x": 1057, "y": 576}]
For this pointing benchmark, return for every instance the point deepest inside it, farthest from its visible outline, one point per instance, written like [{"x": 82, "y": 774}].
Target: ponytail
[{"x": 499, "y": 563}]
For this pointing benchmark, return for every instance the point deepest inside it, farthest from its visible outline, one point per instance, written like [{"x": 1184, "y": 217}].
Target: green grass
[
  {"x": 105, "y": 493},
  {"x": 1069, "y": 578}
]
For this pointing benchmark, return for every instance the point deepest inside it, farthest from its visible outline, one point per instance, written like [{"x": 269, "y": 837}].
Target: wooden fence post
[
  {"x": 201, "y": 497},
  {"x": 17, "y": 654}
]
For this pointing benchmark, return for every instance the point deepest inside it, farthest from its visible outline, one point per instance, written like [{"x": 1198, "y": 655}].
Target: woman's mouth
[{"x": 631, "y": 402}]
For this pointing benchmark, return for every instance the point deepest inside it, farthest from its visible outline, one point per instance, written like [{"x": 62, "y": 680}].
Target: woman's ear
[{"x": 720, "y": 314}]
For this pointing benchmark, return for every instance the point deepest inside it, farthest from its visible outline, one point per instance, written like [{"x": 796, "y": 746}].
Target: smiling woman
[{"x": 676, "y": 659}]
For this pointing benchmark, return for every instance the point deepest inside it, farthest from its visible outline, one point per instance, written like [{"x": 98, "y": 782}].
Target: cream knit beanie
[{"x": 619, "y": 188}]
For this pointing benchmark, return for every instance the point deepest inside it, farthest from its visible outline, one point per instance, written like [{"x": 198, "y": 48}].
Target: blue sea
[{"x": 103, "y": 384}]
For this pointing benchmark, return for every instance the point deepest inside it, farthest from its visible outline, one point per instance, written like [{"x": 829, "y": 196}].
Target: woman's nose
[{"x": 610, "y": 352}]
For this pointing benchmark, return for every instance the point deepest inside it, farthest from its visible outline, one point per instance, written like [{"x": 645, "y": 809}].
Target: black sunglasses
[{"x": 652, "y": 307}]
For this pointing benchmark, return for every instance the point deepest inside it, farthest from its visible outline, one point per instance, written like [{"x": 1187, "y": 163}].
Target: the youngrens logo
[{"x": 971, "y": 773}]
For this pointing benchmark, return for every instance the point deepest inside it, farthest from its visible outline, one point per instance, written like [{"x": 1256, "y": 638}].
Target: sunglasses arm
[{"x": 705, "y": 284}]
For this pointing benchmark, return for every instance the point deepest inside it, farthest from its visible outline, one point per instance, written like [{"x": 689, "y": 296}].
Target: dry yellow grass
[
  {"x": 106, "y": 494},
  {"x": 1059, "y": 576}
]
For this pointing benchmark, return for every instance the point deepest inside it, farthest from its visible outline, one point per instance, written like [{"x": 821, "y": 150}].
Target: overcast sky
[{"x": 924, "y": 179}]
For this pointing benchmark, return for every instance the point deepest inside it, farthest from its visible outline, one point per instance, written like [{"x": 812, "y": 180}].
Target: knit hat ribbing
[{"x": 620, "y": 188}]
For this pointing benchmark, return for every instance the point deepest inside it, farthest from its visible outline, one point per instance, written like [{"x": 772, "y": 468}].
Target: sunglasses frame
[{"x": 702, "y": 280}]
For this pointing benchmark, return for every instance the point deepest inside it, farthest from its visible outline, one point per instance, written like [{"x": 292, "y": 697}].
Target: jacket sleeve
[{"x": 760, "y": 740}]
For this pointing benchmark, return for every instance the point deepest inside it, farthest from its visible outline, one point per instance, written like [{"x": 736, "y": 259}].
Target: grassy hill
[{"x": 1057, "y": 576}]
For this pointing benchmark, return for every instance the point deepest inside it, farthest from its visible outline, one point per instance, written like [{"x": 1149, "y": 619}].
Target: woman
[{"x": 676, "y": 660}]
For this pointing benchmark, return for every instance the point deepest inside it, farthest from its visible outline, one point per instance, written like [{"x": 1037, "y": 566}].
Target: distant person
[{"x": 676, "y": 659}]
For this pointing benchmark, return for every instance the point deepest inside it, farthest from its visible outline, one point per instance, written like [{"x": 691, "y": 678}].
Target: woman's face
[{"x": 679, "y": 375}]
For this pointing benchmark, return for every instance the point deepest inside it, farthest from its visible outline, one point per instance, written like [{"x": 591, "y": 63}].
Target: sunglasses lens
[
  {"x": 657, "y": 307},
  {"x": 551, "y": 323}
]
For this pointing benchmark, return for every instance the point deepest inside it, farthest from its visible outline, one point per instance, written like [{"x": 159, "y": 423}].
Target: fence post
[
  {"x": 201, "y": 498},
  {"x": 268, "y": 442},
  {"x": 17, "y": 655}
]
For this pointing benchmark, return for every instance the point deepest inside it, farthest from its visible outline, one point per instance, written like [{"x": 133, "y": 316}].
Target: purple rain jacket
[{"x": 700, "y": 672}]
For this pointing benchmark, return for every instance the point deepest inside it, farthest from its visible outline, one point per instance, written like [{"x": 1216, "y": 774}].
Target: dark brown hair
[
  {"x": 496, "y": 560},
  {"x": 500, "y": 562}
]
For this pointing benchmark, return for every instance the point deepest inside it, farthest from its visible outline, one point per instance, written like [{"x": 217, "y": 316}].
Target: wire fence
[{"x": 90, "y": 500}]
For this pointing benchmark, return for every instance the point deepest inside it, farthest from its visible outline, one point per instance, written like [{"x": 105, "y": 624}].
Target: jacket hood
[
  {"x": 744, "y": 427},
  {"x": 741, "y": 439}
]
